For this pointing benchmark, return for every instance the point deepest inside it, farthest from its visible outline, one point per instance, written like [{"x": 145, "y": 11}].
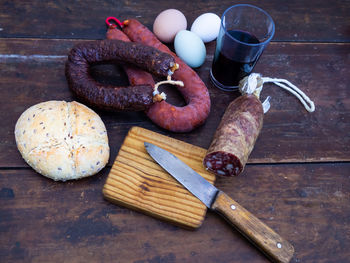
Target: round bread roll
[{"x": 62, "y": 140}]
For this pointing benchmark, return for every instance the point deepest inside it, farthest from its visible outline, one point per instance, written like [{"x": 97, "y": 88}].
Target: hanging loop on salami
[
  {"x": 283, "y": 83},
  {"x": 253, "y": 84}
]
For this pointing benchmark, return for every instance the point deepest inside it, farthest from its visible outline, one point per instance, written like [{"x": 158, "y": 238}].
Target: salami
[
  {"x": 136, "y": 97},
  {"x": 235, "y": 136},
  {"x": 194, "y": 91}
]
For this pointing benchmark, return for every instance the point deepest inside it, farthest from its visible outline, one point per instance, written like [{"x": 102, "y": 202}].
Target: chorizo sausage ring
[
  {"x": 194, "y": 91},
  {"x": 136, "y": 97}
]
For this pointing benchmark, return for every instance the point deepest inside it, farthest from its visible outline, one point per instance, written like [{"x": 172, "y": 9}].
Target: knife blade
[{"x": 269, "y": 242}]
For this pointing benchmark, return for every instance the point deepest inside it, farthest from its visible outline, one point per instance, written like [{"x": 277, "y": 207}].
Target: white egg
[
  {"x": 190, "y": 48},
  {"x": 207, "y": 26}
]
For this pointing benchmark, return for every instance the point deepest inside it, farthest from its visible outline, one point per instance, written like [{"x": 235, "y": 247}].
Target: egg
[
  {"x": 168, "y": 23},
  {"x": 190, "y": 48},
  {"x": 206, "y": 26}
]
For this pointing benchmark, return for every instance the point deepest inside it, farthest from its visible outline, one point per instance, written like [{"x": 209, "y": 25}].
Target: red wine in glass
[{"x": 228, "y": 71}]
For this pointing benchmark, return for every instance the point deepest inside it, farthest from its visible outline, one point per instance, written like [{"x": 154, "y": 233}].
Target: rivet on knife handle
[{"x": 274, "y": 246}]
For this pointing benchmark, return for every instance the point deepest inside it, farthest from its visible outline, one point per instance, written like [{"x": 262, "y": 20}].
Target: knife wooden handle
[{"x": 274, "y": 246}]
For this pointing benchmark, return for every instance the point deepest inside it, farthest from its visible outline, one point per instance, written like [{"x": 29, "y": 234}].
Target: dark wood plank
[
  {"x": 304, "y": 197},
  {"x": 46, "y": 221},
  {"x": 295, "y": 20},
  {"x": 289, "y": 134}
]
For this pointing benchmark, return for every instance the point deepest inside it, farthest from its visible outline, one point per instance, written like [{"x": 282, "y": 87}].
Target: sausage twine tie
[
  {"x": 157, "y": 97},
  {"x": 253, "y": 84},
  {"x": 162, "y": 96}
]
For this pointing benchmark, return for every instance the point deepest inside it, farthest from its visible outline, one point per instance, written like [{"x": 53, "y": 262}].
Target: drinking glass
[{"x": 244, "y": 33}]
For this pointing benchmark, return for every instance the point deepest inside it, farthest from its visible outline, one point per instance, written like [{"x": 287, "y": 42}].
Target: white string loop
[
  {"x": 253, "y": 84},
  {"x": 303, "y": 98}
]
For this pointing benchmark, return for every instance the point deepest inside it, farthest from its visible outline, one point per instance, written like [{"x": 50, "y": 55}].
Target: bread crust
[{"x": 62, "y": 140}]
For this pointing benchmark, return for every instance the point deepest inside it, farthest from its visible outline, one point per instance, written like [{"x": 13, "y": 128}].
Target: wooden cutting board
[{"x": 136, "y": 181}]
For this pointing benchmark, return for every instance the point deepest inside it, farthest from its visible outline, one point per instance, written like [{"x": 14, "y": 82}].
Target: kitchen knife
[{"x": 272, "y": 245}]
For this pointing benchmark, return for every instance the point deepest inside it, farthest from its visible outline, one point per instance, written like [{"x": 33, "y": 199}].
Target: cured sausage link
[
  {"x": 194, "y": 91},
  {"x": 143, "y": 56},
  {"x": 137, "y": 97},
  {"x": 135, "y": 75},
  {"x": 235, "y": 137}
]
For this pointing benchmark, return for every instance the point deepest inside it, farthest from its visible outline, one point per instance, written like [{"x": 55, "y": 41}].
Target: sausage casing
[
  {"x": 235, "y": 136},
  {"x": 194, "y": 91},
  {"x": 138, "y": 97}
]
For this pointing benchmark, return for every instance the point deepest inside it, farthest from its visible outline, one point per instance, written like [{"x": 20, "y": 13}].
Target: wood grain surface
[
  {"x": 136, "y": 181},
  {"x": 297, "y": 178},
  {"x": 46, "y": 221},
  {"x": 290, "y": 133},
  {"x": 298, "y": 20}
]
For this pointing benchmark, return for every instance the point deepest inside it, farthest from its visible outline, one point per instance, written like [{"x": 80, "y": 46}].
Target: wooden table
[{"x": 297, "y": 180}]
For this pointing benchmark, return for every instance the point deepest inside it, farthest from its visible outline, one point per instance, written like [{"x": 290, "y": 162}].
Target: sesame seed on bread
[{"x": 62, "y": 140}]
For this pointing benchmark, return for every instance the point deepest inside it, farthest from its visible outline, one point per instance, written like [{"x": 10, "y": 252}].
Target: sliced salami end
[{"x": 223, "y": 163}]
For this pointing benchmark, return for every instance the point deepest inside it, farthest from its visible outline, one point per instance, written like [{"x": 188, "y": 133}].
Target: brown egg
[{"x": 168, "y": 23}]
